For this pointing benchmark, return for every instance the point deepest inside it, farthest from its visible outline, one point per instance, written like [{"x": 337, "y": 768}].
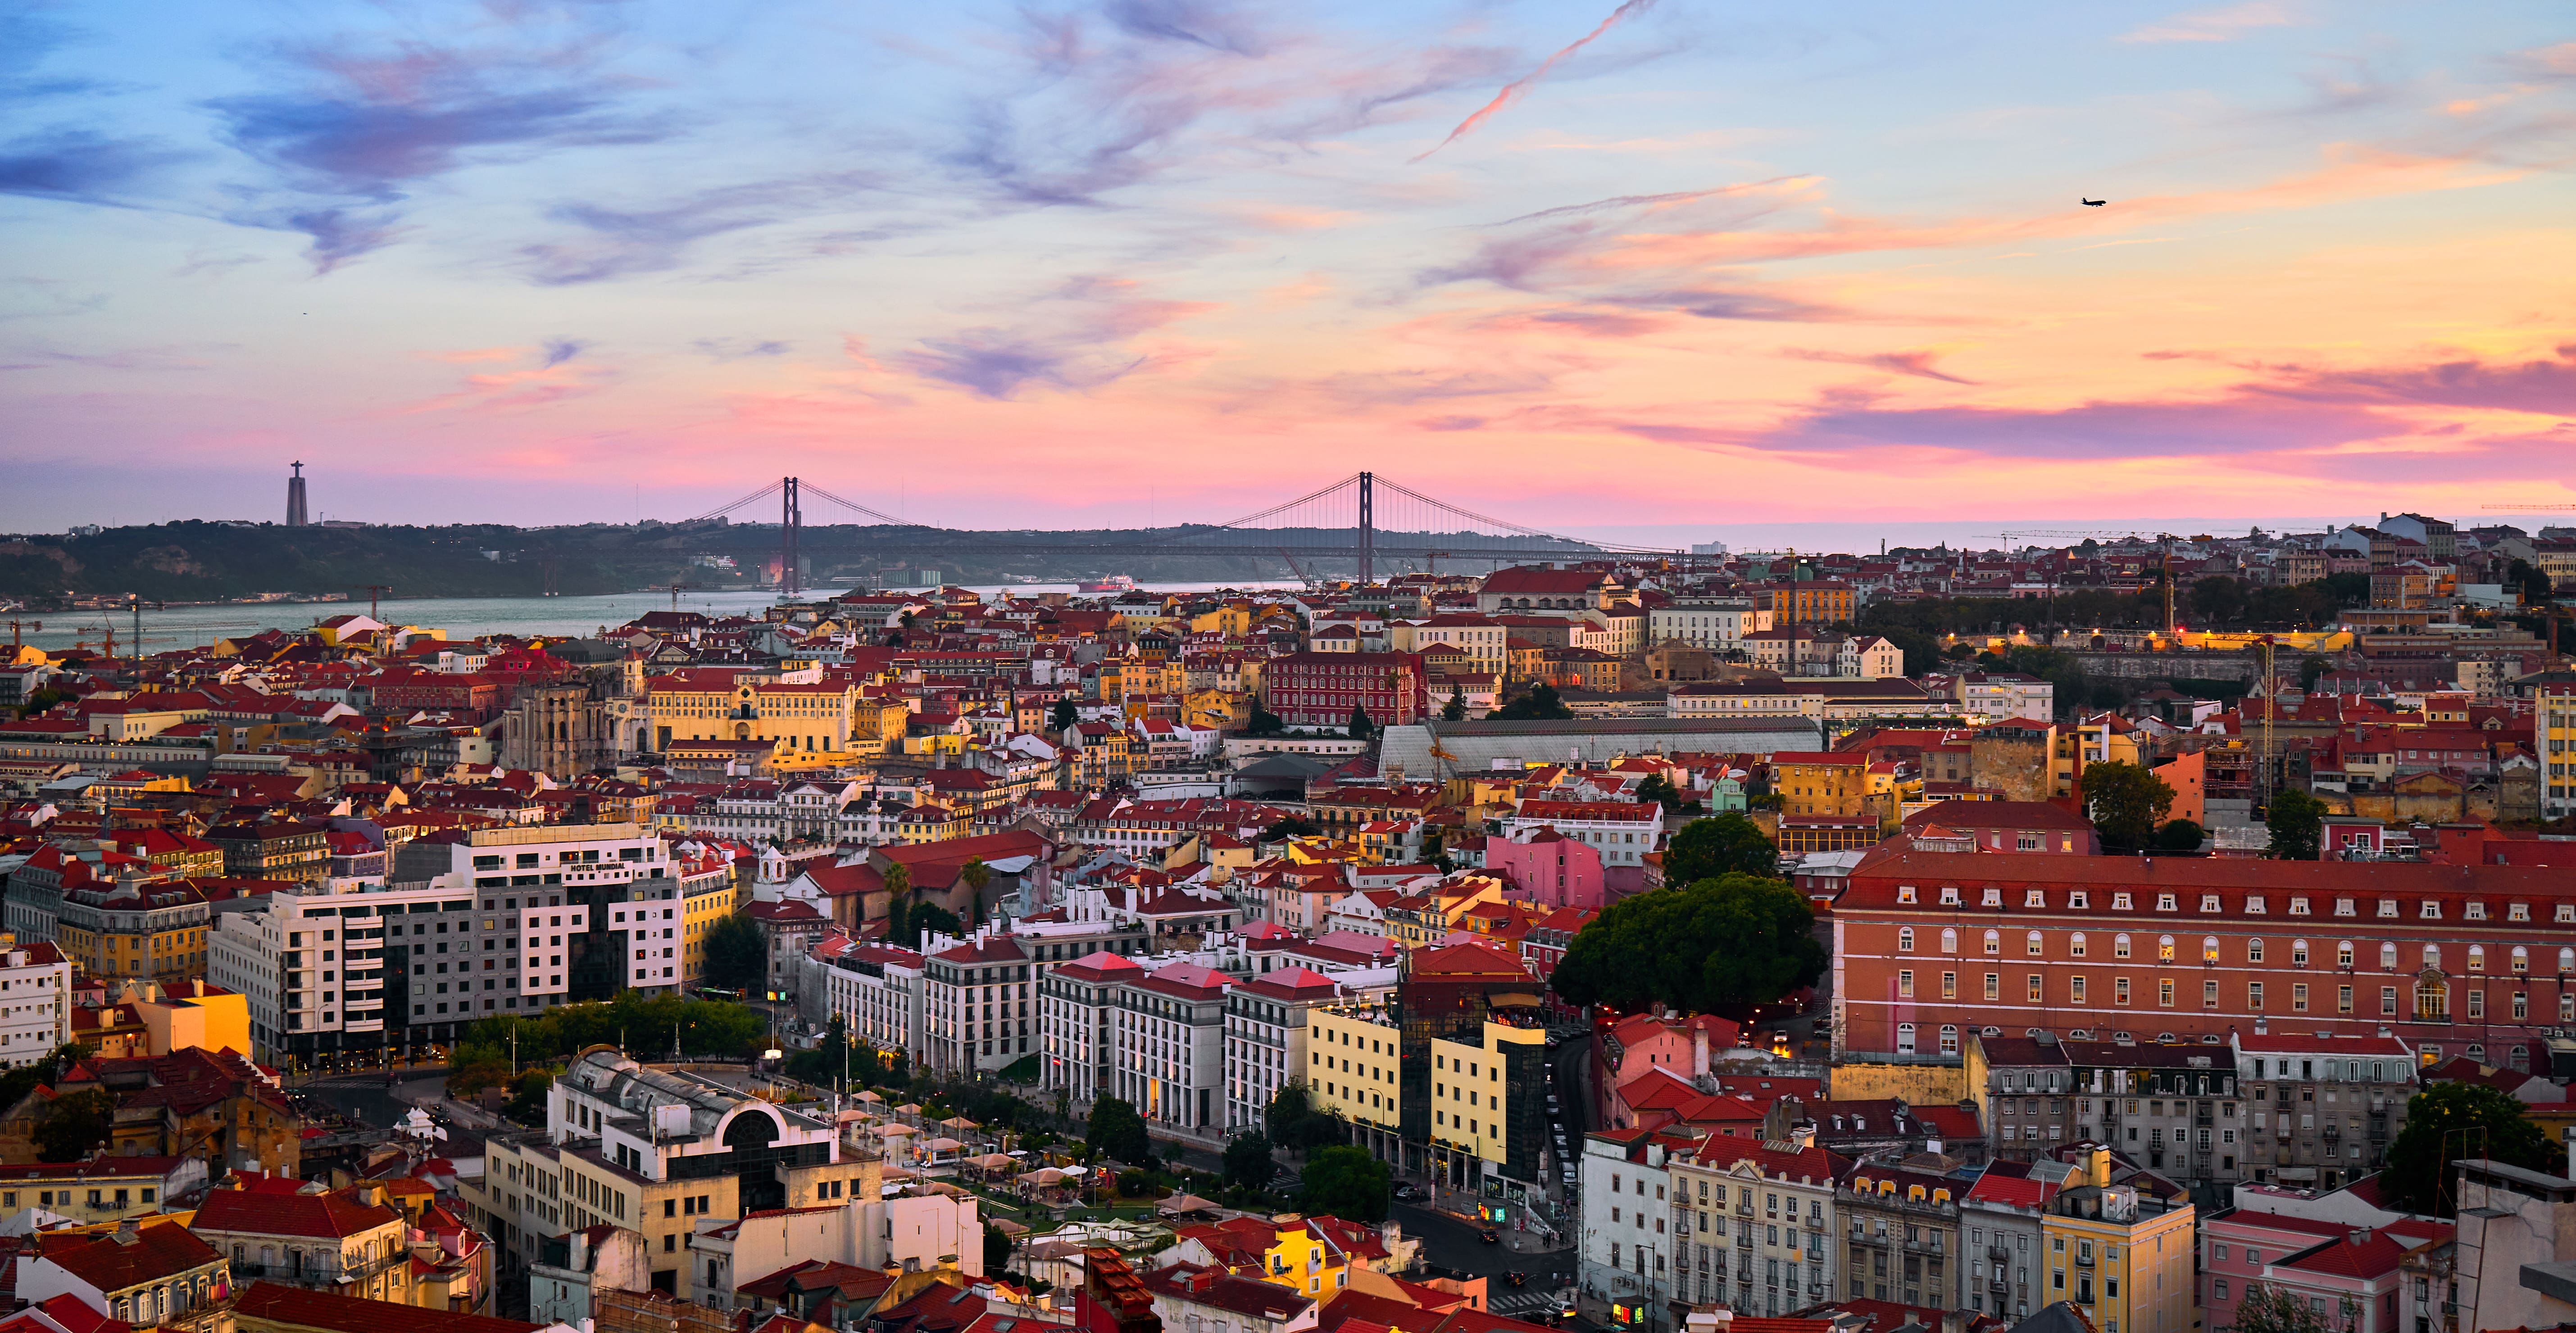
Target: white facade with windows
[
  {"x": 1717, "y": 624},
  {"x": 35, "y": 1009}
]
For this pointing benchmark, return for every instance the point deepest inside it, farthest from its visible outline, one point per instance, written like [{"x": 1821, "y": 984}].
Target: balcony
[
  {"x": 2083, "y": 1260},
  {"x": 2332, "y": 1132},
  {"x": 1999, "y": 1252}
]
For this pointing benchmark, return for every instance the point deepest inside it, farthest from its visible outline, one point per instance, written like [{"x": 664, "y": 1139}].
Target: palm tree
[{"x": 977, "y": 875}]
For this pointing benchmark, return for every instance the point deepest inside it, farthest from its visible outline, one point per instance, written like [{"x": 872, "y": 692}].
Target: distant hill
[{"x": 202, "y": 561}]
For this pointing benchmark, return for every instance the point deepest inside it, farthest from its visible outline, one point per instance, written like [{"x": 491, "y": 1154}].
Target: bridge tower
[
  {"x": 791, "y": 517},
  {"x": 1368, "y": 528}
]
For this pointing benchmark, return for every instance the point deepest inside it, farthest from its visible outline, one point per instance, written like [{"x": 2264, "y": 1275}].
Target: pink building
[
  {"x": 1549, "y": 869},
  {"x": 2345, "y": 1272}
]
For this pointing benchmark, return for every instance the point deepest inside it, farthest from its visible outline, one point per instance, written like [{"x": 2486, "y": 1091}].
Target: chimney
[
  {"x": 2362, "y": 1235},
  {"x": 2097, "y": 1166},
  {"x": 1699, "y": 1051}
]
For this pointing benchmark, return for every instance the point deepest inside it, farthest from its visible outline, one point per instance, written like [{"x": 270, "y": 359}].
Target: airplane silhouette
[{"x": 2091, "y": 203}]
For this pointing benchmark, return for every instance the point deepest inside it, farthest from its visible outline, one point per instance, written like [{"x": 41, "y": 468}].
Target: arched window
[
  {"x": 1949, "y": 1039},
  {"x": 2209, "y": 948},
  {"x": 2119, "y": 946},
  {"x": 2164, "y": 948},
  {"x": 2075, "y": 944},
  {"x": 2388, "y": 958},
  {"x": 2521, "y": 961},
  {"x": 2343, "y": 954},
  {"x": 1949, "y": 941},
  {"x": 1994, "y": 942},
  {"x": 1905, "y": 1039},
  {"x": 2030, "y": 943},
  {"x": 2477, "y": 958},
  {"x": 2298, "y": 953},
  {"x": 2567, "y": 960},
  {"x": 2253, "y": 951},
  {"x": 2432, "y": 955},
  {"x": 1905, "y": 939}
]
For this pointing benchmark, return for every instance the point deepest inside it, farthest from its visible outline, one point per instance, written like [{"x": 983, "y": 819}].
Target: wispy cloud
[
  {"x": 1918, "y": 364},
  {"x": 370, "y": 122},
  {"x": 560, "y": 350},
  {"x": 735, "y": 349},
  {"x": 1074, "y": 340},
  {"x": 78, "y": 165},
  {"x": 1512, "y": 91},
  {"x": 2224, "y": 24}
]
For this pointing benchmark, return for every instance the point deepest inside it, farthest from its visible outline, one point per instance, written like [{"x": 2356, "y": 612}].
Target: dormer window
[
  {"x": 2254, "y": 906},
  {"x": 2209, "y": 902},
  {"x": 1992, "y": 898},
  {"x": 2474, "y": 912},
  {"x": 2517, "y": 911},
  {"x": 1904, "y": 893},
  {"x": 1950, "y": 896},
  {"x": 2566, "y": 913},
  {"x": 2432, "y": 910},
  {"x": 2079, "y": 900},
  {"x": 2298, "y": 906},
  {"x": 2119, "y": 902},
  {"x": 2165, "y": 903},
  {"x": 2034, "y": 898},
  {"x": 2344, "y": 907},
  {"x": 2388, "y": 907}
]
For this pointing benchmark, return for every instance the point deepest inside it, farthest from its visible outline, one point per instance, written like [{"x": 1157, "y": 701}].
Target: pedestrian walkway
[{"x": 1521, "y": 1302}]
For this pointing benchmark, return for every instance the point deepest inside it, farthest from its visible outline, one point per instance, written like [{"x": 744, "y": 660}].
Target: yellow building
[
  {"x": 135, "y": 929},
  {"x": 108, "y": 1189},
  {"x": 1352, "y": 1067},
  {"x": 702, "y": 704},
  {"x": 709, "y": 899},
  {"x": 2556, "y": 722},
  {"x": 1811, "y": 782},
  {"x": 1472, "y": 1088},
  {"x": 1232, "y": 620},
  {"x": 2122, "y": 1255},
  {"x": 2104, "y": 738}
]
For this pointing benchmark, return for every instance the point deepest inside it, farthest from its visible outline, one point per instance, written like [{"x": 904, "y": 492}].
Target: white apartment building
[
  {"x": 1479, "y": 638},
  {"x": 1266, "y": 1032},
  {"x": 1167, "y": 1032},
  {"x": 1626, "y": 1222},
  {"x": 1753, "y": 1226},
  {"x": 2002, "y": 696},
  {"x": 631, "y": 886},
  {"x": 345, "y": 966},
  {"x": 1717, "y": 624},
  {"x": 35, "y": 1008},
  {"x": 875, "y": 988},
  {"x": 1622, "y": 831},
  {"x": 976, "y": 1002},
  {"x": 1075, "y": 1004}
]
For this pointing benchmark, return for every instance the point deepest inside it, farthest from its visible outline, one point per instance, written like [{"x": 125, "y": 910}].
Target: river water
[{"x": 455, "y": 617}]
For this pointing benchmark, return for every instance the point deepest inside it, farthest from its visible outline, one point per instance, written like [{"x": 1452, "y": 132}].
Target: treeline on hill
[
  {"x": 2216, "y": 601},
  {"x": 206, "y": 561},
  {"x": 196, "y": 561}
]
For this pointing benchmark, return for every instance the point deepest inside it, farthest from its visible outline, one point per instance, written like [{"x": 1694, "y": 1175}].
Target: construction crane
[
  {"x": 2263, "y": 649},
  {"x": 17, "y": 628},
  {"x": 1312, "y": 583}
]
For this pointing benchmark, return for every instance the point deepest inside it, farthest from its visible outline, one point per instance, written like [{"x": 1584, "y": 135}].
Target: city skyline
[{"x": 1614, "y": 270}]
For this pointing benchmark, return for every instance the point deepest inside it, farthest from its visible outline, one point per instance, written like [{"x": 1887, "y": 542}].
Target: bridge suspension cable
[
  {"x": 853, "y": 505},
  {"x": 720, "y": 510}
]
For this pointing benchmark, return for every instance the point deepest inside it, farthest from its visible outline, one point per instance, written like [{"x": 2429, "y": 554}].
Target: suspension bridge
[{"x": 1363, "y": 518}]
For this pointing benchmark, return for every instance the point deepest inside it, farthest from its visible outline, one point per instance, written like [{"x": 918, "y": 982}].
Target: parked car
[
  {"x": 1408, "y": 1191},
  {"x": 1490, "y": 1236}
]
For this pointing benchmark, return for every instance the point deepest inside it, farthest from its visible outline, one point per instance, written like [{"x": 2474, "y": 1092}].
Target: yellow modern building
[
  {"x": 1484, "y": 1099},
  {"x": 1352, "y": 1070}
]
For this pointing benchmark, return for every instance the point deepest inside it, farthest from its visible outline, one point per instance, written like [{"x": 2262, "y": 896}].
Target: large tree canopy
[
  {"x": 1733, "y": 940},
  {"x": 2449, "y": 1121},
  {"x": 1723, "y": 844},
  {"x": 2126, "y": 803},
  {"x": 1347, "y": 1183}
]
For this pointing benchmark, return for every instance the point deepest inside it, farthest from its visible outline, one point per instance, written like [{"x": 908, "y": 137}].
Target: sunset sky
[{"x": 1648, "y": 269}]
